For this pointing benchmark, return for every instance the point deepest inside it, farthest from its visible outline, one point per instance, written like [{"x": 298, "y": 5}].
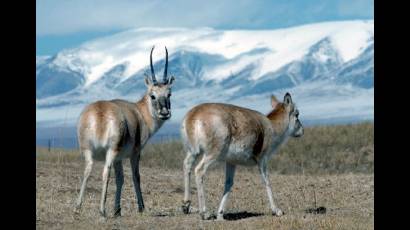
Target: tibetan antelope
[
  {"x": 236, "y": 136},
  {"x": 117, "y": 129}
]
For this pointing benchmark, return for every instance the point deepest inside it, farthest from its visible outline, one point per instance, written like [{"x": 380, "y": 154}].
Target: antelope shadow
[{"x": 241, "y": 215}]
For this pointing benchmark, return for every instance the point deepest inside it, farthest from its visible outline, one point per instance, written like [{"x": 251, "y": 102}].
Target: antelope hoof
[
  {"x": 141, "y": 209},
  {"x": 77, "y": 209},
  {"x": 185, "y": 206},
  {"x": 207, "y": 216},
  {"x": 103, "y": 214},
  {"x": 220, "y": 217},
  {"x": 117, "y": 212},
  {"x": 277, "y": 212}
]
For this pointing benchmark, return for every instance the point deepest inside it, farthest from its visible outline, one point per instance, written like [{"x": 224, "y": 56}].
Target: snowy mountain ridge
[{"x": 331, "y": 63}]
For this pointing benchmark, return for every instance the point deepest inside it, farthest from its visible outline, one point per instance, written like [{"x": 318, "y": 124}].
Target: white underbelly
[
  {"x": 239, "y": 155},
  {"x": 99, "y": 152}
]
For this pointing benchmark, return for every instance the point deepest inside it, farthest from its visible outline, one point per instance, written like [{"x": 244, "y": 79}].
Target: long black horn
[
  {"x": 154, "y": 80},
  {"x": 166, "y": 65}
]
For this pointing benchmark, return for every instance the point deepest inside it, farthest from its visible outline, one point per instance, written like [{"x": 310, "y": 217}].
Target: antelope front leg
[
  {"x": 275, "y": 210},
  {"x": 229, "y": 175},
  {"x": 119, "y": 181},
  {"x": 135, "y": 158},
  {"x": 106, "y": 176},
  {"x": 188, "y": 162}
]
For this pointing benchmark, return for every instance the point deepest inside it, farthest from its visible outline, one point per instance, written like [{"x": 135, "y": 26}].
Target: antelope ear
[
  {"x": 171, "y": 80},
  {"x": 287, "y": 99},
  {"x": 274, "y": 101}
]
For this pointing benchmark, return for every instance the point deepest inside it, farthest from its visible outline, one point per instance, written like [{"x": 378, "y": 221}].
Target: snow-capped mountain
[{"x": 327, "y": 67}]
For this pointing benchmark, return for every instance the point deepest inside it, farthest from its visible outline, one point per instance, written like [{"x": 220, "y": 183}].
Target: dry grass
[
  {"x": 333, "y": 164},
  {"x": 328, "y": 150},
  {"x": 322, "y": 150},
  {"x": 347, "y": 197}
]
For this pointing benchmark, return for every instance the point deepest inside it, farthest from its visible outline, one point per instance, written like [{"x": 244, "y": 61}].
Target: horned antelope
[
  {"x": 236, "y": 136},
  {"x": 117, "y": 129}
]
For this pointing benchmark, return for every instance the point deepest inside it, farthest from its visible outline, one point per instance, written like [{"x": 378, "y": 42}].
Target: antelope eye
[
  {"x": 169, "y": 95},
  {"x": 152, "y": 97}
]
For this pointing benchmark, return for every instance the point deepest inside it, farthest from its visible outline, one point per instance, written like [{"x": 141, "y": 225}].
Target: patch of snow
[{"x": 96, "y": 57}]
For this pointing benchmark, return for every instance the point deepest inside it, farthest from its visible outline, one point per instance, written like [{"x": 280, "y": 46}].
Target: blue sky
[{"x": 64, "y": 24}]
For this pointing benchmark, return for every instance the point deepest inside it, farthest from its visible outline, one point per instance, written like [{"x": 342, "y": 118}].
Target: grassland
[{"x": 330, "y": 166}]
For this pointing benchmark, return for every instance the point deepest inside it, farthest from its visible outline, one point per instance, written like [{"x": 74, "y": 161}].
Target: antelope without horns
[
  {"x": 113, "y": 130},
  {"x": 236, "y": 136}
]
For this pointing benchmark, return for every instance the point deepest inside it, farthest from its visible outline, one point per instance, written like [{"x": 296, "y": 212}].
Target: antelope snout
[
  {"x": 164, "y": 113},
  {"x": 300, "y": 132},
  {"x": 298, "y": 129}
]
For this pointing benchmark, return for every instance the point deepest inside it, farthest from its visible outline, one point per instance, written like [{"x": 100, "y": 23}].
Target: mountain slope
[{"x": 334, "y": 60}]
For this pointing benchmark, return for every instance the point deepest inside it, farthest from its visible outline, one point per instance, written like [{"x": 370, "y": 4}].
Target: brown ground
[
  {"x": 332, "y": 163},
  {"x": 348, "y": 199}
]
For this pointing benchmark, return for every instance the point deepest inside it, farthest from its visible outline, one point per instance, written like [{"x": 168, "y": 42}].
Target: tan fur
[
  {"x": 117, "y": 129},
  {"x": 237, "y": 136},
  {"x": 279, "y": 118},
  {"x": 132, "y": 122},
  {"x": 240, "y": 122},
  {"x": 142, "y": 107}
]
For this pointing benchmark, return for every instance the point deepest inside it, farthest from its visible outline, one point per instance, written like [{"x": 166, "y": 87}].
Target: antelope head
[
  {"x": 287, "y": 114},
  {"x": 159, "y": 93}
]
